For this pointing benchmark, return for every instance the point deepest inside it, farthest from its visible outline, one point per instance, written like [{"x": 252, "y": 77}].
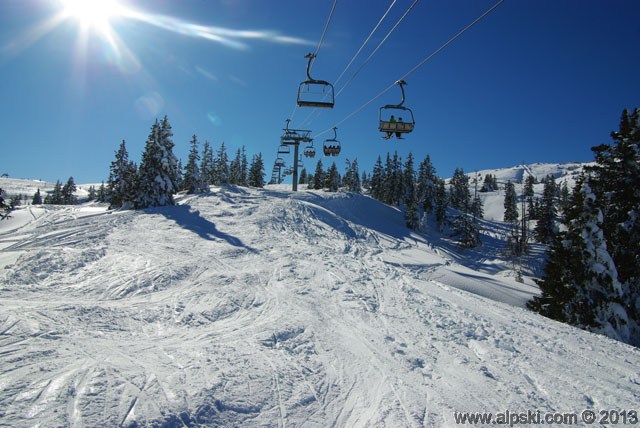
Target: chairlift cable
[
  {"x": 366, "y": 41},
  {"x": 420, "y": 64},
  {"x": 315, "y": 54},
  {"x": 375, "y": 28},
  {"x": 324, "y": 32},
  {"x": 377, "y": 47}
]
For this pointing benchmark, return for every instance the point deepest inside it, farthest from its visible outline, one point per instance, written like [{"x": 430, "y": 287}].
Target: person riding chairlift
[
  {"x": 398, "y": 133},
  {"x": 390, "y": 133}
]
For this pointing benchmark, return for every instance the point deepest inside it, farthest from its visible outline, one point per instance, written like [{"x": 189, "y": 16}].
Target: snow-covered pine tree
[
  {"x": 244, "y": 168},
  {"x": 547, "y": 213},
  {"x": 193, "y": 181},
  {"x": 256, "y": 171},
  {"x": 580, "y": 284},
  {"x": 221, "y": 166},
  {"x": 565, "y": 199},
  {"x": 465, "y": 230},
  {"x": 158, "y": 169},
  {"x": 122, "y": 182},
  {"x": 616, "y": 182},
  {"x": 459, "y": 194},
  {"x": 235, "y": 169},
  {"x": 5, "y": 208},
  {"x": 171, "y": 163},
  {"x": 207, "y": 165},
  {"x": 37, "y": 198}
]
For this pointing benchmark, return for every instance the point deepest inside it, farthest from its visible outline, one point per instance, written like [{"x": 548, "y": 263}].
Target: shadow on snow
[{"x": 191, "y": 220}]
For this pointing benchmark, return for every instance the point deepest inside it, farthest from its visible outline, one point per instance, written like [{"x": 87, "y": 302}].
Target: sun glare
[{"x": 91, "y": 13}]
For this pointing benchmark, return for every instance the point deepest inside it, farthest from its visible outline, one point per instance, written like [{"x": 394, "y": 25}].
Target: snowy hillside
[
  {"x": 494, "y": 201},
  {"x": 27, "y": 188},
  {"x": 248, "y": 307}
]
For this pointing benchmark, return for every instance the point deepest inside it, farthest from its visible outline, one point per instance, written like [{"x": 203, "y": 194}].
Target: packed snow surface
[{"x": 263, "y": 307}]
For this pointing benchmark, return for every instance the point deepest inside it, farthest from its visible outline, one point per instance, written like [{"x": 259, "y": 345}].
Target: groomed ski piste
[{"x": 268, "y": 308}]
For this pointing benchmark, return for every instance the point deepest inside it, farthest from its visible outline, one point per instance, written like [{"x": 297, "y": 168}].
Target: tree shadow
[{"x": 191, "y": 220}]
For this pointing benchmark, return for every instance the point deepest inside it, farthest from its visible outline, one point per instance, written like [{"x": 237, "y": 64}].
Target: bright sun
[{"x": 92, "y": 13}]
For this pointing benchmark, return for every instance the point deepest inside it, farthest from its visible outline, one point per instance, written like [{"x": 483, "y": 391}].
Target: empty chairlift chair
[
  {"x": 390, "y": 118},
  {"x": 315, "y": 93}
]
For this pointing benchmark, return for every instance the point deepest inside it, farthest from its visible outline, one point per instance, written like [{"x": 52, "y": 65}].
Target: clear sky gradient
[{"x": 534, "y": 81}]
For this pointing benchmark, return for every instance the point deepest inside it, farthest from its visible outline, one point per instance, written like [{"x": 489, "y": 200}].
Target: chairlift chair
[
  {"x": 390, "y": 117},
  {"x": 279, "y": 163},
  {"x": 310, "y": 151},
  {"x": 331, "y": 146},
  {"x": 284, "y": 149},
  {"x": 315, "y": 93}
]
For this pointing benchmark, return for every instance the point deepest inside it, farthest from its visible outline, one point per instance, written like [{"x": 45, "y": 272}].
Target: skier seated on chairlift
[
  {"x": 390, "y": 133},
  {"x": 398, "y": 133}
]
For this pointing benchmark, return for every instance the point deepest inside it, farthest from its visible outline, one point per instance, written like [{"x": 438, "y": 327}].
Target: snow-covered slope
[
  {"x": 493, "y": 202},
  {"x": 250, "y": 307}
]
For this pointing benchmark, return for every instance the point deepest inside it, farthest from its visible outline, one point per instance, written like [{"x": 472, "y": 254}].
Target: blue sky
[{"x": 535, "y": 81}]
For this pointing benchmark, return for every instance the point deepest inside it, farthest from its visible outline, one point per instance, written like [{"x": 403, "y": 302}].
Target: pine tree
[
  {"x": 397, "y": 181},
  {"x": 5, "y": 208},
  {"x": 318, "y": 176},
  {"x": 92, "y": 193},
  {"x": 55, "y": 197},
  {"x": 244, "y": 168},
  {"x": 221, "y": 166},
  {"x": 37, "y": 198},
  {"x": 158, "y": 169},
  {"x": 546, "y": 226},
  {"x": 303, "y": 176},
  {"x": 122, "y": 180},
  {"x": 376, "y": 183},
  {"x": 488, "y": 185},
  {"x": 510, "y": 204},
  {"x": 193, "y": 181},
  {"x": 333, "y": 178},
  {"x": 365, "y": 181},
  {"x": 426, "y": 185},
  {"x": 235, "y": 169},
  {"x": 207, "y": 165},
  {"x": 256, "y": 171},
  {"x": 592, "y": 275},
  {"x": 68, "y": 192},
  {"x": 351, "y": 179},
  {"x": 529, "y": 195},
  {"x": 465, "y": 229},
  {"x": 102, "y": 193},
  {"x": 441, "y": 203},
  {"x": 580, "y": 284},
  {"x": 459, "y": 194}
]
